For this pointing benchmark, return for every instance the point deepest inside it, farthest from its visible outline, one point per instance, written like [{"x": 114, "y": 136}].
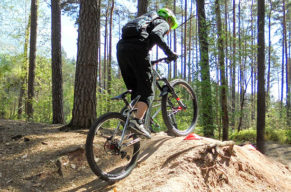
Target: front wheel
[
  {"x": 179, "y": 121},
  {"x": 106, "y": 158}
]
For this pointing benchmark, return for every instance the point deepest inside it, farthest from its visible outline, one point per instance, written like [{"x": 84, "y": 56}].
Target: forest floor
[{"x": 38, "y": 157}]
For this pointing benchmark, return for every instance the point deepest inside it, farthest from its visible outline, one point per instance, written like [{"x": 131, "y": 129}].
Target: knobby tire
[
  {"x": 96, "y": 163},
  {"x": 183, "y": 122}
]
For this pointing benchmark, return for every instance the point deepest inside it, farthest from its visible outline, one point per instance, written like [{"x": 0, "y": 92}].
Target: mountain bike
[{"x": 112, "y": 147}]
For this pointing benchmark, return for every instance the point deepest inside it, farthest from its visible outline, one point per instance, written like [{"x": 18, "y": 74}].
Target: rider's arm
[{"x": 157, "y": 34}]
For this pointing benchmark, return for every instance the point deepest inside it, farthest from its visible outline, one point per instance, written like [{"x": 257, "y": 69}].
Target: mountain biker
[{"x": 134, "y": 59}]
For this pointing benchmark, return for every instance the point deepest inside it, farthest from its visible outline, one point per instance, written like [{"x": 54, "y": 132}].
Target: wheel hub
[{"x": 111, "y": 146}]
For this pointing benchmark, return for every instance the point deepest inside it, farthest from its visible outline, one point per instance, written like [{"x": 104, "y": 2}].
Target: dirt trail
[
  {"x": 279, "y": 152},
  {"x": 38, "y": 157}
]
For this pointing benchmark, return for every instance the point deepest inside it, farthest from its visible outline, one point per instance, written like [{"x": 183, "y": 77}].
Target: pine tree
[
  {"x": 57, "y": 79},
  {"x": 223, "y": 89},
  {"x": 261, "y": 77},
  {"x": 206, "y": 109},
  {"x": 84, "y": 109},
  {"x": 32, "y": 57}
]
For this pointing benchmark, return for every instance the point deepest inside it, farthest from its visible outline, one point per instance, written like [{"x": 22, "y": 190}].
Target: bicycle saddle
[{"x": 122, "y": 95}]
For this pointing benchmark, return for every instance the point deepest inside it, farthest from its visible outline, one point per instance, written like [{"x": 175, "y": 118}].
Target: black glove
[{"x": 173, "y": 56}]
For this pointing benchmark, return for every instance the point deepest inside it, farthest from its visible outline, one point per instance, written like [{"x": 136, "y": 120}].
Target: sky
[{"x": 69, "y": 36}]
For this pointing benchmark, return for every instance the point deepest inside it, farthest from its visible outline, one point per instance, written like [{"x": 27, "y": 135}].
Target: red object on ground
[{"x": 193, "y": 136}]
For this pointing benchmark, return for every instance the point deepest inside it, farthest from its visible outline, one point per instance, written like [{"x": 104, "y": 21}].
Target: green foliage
[
  {"x": 10, "y": 76},
  {"x": 9, "y": 82},
  {"x": 198, "y": 129},
  {"x": 104, "y": 103},
  {"x": 247, "y": 135},
  {"x": 276, "y": 129},
  {"x": 68, "y": 87},
  {"x": 275, "y": 135},
  {"x": 5, "y": 64},
  {"x": 276, "y": 117},
  {"x": 70, "y": 7},
  {"x": 42, "y": 103},
  {"x": 288, "y": 136}
]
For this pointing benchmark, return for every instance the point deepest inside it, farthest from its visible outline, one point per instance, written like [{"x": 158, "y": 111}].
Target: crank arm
[{"x": 131, "y": 142}]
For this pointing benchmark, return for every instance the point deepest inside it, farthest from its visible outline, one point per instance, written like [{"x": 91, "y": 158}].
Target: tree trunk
[
  {"x": 226, "y": 39},
  {"x": 233, "y": 76},
  {"x": 196, "y": 47},
  {"x": 217, "y": 110},
  {"x": 99, "y": 69},
  {"x": 57, "y": 79},
  {"x": 252, "y": 65},
  {"x": 175, "y": 44},
  {"x": 223, "y": 88},
  {"x": 289, "y": 68},
  {"x": 23, "y": 80},
  {"x": 261, "y": 77},
  {"x": 105, "y": 48},
  {"x": 241, "y": 68},
  {"x": 32, "y": 57},
  {"x": 207, "y": 113},
  {"x": 142, "y": 7},
  {"x": 269, "y": 54},
  {"x": 182, "y": 40},
  {"x": 99, "y": 45},
  {"x": 84, "y": 110},
  {"x": 189, "y": 44},
  {"x": 288, "y": 97},
  {"x": 282, "y": 79},
  {"x": 185, "y": 41},
  {"x": 110, "y": 49}
]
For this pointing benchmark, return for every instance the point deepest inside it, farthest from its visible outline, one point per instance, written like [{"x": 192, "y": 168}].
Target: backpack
[{"x": 135, "y": 27}]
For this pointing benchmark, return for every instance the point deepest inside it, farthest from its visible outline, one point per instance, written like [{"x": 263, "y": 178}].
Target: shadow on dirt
[
  {"x": 94, "y": 186},
  {"x": 151, "y": 147}
]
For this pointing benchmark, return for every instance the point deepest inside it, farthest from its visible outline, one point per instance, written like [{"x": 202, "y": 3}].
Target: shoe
[{"x": 138, "y": 126}]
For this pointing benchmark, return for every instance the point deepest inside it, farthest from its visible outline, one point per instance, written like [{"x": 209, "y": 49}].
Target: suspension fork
[{"x": 169, "y": 89}]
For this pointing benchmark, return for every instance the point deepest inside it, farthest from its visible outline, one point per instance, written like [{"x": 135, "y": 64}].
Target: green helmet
[{"x": 167, "y": 13}]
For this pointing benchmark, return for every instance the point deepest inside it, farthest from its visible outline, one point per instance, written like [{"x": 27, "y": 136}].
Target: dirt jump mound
[{"x": 38, "y": 157}]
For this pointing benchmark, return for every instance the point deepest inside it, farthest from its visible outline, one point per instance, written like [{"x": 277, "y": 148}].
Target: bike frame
[
  {"x": 156, "y": 79},
  {"x": 164, "y": 89}
]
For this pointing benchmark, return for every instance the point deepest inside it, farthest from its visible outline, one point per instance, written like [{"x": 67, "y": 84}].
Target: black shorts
[{"x": 135, "y": 66}]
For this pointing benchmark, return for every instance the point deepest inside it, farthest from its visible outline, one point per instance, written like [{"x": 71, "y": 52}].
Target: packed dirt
[{"x": 38, "y": 157}]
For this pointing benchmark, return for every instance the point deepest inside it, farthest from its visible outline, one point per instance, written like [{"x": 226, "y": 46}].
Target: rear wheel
[
  {"x": 180, "y": 121},
  {"x": 106, "y": 159}
]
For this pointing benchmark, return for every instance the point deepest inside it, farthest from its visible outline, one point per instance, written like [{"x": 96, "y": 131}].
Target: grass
[{"x": 281, "y": 136}]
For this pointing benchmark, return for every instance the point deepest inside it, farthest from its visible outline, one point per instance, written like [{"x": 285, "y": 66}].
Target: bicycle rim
[
  {"x": 103, "y": 155},
  {"x": 180, "y": 121}
]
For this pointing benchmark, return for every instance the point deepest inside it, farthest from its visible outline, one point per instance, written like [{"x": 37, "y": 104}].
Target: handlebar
[{"x": 166, "y": 59}]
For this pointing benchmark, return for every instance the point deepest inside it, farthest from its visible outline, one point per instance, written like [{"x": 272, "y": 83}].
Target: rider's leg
[
  {"x": 137, "y": 121},
  {"x": 142, "y": 107},
  {"x": 135, "y": 66}
]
